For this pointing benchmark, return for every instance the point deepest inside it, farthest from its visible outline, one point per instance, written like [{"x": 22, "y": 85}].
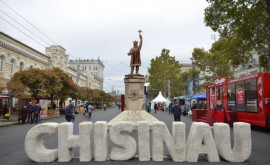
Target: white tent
[{"x": 159, "y": 99}]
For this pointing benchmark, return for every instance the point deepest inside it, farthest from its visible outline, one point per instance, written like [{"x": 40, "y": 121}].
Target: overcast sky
[{"x": 106, "y": 28}]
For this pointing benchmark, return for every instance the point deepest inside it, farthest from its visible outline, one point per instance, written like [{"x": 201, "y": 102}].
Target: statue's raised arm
[
  {"x": 140, "y": 45},
  {"x": 134, "y": 52}
]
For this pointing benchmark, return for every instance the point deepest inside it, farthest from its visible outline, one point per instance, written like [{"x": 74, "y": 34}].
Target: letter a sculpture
[{"x": 135, "y": 55}]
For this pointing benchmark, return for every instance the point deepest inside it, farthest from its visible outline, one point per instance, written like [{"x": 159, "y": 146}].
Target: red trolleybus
[{"x": 247, "y": 99}]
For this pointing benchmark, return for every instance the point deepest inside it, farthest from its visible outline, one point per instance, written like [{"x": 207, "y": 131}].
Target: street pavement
[{"x": 12, "y": 141}]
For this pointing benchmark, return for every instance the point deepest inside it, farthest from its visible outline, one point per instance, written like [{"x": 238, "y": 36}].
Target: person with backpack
[
  {"x": 90, "y": 109},
  {"x": 177, "y": 112},
  {"x": 148, "y": 107},
  {"x": 155, "y": 107},
  {"x": 68, "y": 113}
]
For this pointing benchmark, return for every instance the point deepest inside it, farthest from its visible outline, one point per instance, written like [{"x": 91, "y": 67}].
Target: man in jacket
[
  {"x": 36, "y": 113},
  {"x": 176, "y": 112},
  {"x": 30, "y": 112},
  {"x": 218, "y": 113},
  {"x": 155, "y": 107},
  {"x": 69, "y": 113}
]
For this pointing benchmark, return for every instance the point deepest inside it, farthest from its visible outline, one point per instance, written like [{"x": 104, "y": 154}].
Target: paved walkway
[{"x": 12, "y": 138}]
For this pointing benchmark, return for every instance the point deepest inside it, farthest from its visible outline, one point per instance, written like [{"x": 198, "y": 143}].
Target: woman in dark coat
[{"x": 23, "y": 114}]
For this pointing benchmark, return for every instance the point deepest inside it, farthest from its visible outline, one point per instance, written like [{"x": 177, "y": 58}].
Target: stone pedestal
[
  {"x": 134, "y": 102},
  {"x": 134, "y": 92}
]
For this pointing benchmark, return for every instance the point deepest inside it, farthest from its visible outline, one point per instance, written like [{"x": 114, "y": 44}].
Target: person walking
[
  {"x": 177, "y": 112},
  {"x": 218, "y": 113},
  {"x": 68, "y": 113},
  {"x": 23, "y": 114},
  {"x": 148, "y": 107},
  {"x": 155, "y": 107},
  {"x": 170, "y": 107},
  {"x": 105, "y": 106},
  {"x": 86, "y": 110},
  {"x": 35, "y": 114},
  {"x": 90, "y": 109},
  {"x": 38, "y": 109},
  {"x": 5, "y": 108},
  {"x": 73, "y": 113},
  {"x": 30, "y": 112}
]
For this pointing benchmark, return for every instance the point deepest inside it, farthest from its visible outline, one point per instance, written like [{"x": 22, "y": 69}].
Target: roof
[
  {"x": 160, "y": 98},
  {"x": 22, "y": 43}
]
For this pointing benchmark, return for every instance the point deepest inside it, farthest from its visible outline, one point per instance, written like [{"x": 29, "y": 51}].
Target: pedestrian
[
  {"x": 119, "y": 105},
  {"x": 5, "y": 108},
  {"x": 30, "y": 112},
  {"x": 90, "y": 109},
  {"x": 177, "y": 112},
  {"x": 155, "y": 107},
  {"x": 38, "y": 109},
  {"x": 68, "y": 113},
  {"x": 35, "y": 114},
  {"x": 23, "y": 114},
  {"x": 73, "y": 112},
  {"x": 85, "y": 110},
  {"x": 218, "y": 113},
  {"x": 194, "y": 105},
  {"x": 105, "y": 106},
  {"x": 148, "y": 107},
  {"x": 170, "y": 107}
]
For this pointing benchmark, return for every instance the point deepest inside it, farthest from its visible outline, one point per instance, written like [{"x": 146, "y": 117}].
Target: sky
[{"x": 105, "y": 29}]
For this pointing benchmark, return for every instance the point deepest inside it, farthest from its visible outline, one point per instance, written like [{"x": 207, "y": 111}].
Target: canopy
[
  {"x": 202, "y": 96},
  {"x": 159, "y": 99},
  {"x": 4, "y": 97},
  {"x": 196, "y": 96}
]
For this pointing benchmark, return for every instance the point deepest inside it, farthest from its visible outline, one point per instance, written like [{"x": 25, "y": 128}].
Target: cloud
[{"x": 106, "y": 28}]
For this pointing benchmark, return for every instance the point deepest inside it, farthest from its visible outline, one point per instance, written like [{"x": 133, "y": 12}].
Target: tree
[
  {"x": 244, "y": 25},
  {"x": 211, "y": 64},
  {"x": 162, "y": 69},
  {"x": 52, "y": 84},
  {"x": 69, "y": 89},
  {"x": 30, "y": 80}
]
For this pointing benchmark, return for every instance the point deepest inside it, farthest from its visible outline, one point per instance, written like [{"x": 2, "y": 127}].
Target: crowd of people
[
  {"x": 30, "y": 113},
  {"x": 218, "y": 113}
]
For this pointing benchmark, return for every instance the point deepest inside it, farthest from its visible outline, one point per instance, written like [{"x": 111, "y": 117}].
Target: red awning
[{"x": 4, "y": 97}]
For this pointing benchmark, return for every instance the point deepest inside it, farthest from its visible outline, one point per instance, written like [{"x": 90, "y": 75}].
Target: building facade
[
  {"x": 16, "y": 56},
  {"x": 251, "y": 68},
  {"x": 92, "y": 68}
]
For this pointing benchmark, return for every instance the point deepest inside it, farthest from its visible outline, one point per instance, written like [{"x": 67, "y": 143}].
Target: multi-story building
[
  {"x": 185, "y": 66},
  {"x": 16, "y": 56},
  {"x": 92, "y": 68},
  {"x": 250, "y": 68}
]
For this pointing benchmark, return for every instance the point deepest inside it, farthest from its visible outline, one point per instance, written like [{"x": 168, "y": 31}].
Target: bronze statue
[{"x": 135, "y": 55}]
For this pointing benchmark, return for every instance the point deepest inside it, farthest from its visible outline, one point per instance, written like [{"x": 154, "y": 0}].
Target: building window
[
  {"x": 1, "y": 63},
  {"x": 89, "y": 68},
  {"x": 21, "y": 65},
  {"x": 11, "y": 66}
]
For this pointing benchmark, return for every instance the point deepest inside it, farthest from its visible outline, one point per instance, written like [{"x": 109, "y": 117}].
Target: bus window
[
  {"x": 220, "y": 94},
  {"x": 231, "y": 97},
  {"x": 240, "y": 96},
  {"x": 212, "y": 97},
  {"x": 251, "y": 95}
]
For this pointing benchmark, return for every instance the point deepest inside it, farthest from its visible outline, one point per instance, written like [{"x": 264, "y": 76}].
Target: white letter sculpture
[
  {"x": 242, "y": 141},
  {"x": 127, "y": 143},
  {"x": 34, "y": 143},
  {"x": 200, "y": 141},
  {"x": 175, "y": 143},
  {"x": 143, "y": 141},
  {"x": 67, "y": 141},
  {"x": 100, "y": 139}
]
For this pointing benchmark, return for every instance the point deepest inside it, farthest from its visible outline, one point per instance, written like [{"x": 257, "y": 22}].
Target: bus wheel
[{"x": 268, "y": 122}]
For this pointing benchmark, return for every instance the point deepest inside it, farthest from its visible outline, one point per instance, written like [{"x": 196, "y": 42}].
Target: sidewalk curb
[{"x": 14, "y": 123}]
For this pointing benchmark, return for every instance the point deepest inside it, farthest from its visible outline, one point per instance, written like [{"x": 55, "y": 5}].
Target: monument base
[{"x": 134, "y": 116}]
